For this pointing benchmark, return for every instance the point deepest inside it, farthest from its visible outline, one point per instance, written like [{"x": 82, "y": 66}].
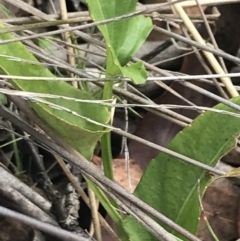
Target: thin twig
[
  {"x": 211, "y": 58},
  {"x": 67, "y": 38},
  {"x": 42, "y": 226},
  {"x": 176, "y": 77},
  {"x": 94, "y": 211}
]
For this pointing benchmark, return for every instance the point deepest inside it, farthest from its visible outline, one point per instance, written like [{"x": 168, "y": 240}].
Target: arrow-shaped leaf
[
  {"x": 170, "y": 184},
  {"x": 123, "y": 37},
  {"x": 15, "y": 59}
]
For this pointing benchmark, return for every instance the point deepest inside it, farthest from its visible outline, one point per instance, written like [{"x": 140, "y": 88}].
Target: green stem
[
  {"x": 16, "y": 154},
  {"x": 15, "y": 148},
  {"x": 106, "y": 138},
  {"x": 106, "y": 148},
  {"x": 107, "y": 158},
  {"x": 107, "y": 155}
]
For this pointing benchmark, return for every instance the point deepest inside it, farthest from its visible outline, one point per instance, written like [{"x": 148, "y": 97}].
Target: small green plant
[{"x": 123, "y": 38}]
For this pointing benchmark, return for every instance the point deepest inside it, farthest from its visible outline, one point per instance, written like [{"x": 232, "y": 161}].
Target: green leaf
[
  {"x": 135, "y": 72},
  {"x": 170, "y": 185},
  {"x": 5, "y": 12},
  {"x": 3, "y": 99},
  {"x": 15, "y": 59},
  {"x": 44, "y": 43},
  {"x": 123, "y": 37},
  {"x": 136, "y": 232}
]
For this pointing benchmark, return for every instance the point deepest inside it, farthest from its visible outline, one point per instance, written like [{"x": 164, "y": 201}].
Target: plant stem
[{"x": 106, "y": 138}]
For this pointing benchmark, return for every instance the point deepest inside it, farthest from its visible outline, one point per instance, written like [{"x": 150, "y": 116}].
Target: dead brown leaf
[{"x": 221, "y": 206}]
